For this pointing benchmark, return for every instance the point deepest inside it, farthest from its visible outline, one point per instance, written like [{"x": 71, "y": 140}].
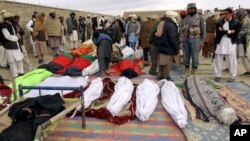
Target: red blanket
[{"x": 78, "y": 63}]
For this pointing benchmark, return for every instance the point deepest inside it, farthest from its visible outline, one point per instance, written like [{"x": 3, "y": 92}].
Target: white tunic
[{"x": 226, "y": 46}]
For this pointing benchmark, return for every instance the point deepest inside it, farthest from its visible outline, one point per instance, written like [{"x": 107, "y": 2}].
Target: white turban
[{"x": 172, "y": 15}]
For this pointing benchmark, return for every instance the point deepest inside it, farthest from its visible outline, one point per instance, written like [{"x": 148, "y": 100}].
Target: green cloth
[
  {"x": 68, "y": 55},
  {"x": 89, "y": 57},
  {"x": 179, "y": 85},
  {"x": 30, "y": 79},
  {"x": 213, "y": 84}
]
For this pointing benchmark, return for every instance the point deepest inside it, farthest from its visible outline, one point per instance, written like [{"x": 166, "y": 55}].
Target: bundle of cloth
[
  {"x": 146, "y": 99},
  {"x": 76, "y": 67},
  {"x": 116, "y": 104},
  {"x": 68, "y": 65},
  {"x": 27, "y": 115},
  {"x": 59, "y": 81},
  {"x": 92, "y": 93},
  {"x": 126, "y": 67},
  {"x": 208, "y": 103},
  {"x": 84, "y": 49},
  {"x": 173, "y": 103},
  {"x": 58, "y": 63}
]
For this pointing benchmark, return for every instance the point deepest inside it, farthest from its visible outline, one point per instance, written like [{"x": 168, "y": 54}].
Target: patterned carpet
[
  {"x": 160, "y": 127},
  {"x": 207, "y": 131}
]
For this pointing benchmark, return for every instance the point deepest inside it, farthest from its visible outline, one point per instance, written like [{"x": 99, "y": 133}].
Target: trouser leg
[
  {"x": 33, "y": 45},
  {"x": 13, "y": 69},
  {"x": 154, "y": 56},
  {"x": 38, "y": 50},
  {"x": 26, "y": 59},
  {"x": 246, "y": 63},
  {"x": 160, "y": 71},
  {"x": 232, "y": 65},
  {"x": 218, "y": 65},
  {"x": 186, "y": 53},
  {"x": 145, "y": 53},
  {"x": 167, "y": 68},
  {"x": 19, "y": 66},
  {"x": 195, "y": 48}
]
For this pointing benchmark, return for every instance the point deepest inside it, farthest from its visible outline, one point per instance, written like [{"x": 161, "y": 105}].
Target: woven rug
[
  {"x": 160, "y": 127},
  {"x": 207, "y": 131}
]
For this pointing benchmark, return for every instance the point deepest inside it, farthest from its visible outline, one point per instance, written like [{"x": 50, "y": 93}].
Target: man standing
[
  {"x": 144, "y": 35},
  {"x": 40, "y": 36},
  {"x": 63, "y": 34},
  {"x": 227, "y": 30},
  {"x": 82, "y": 29},
  {"x": 3, "y": 58},
  {"x": 194, "y": 27},
  {"x": 11, "y": 45},
  {"x": 133, "y": 31},
  {"x": 89, "y": 27},
  {"x": 153, "y": 48},
  {"x": 30, "y": 27},
  {"x": 208, "y": 47},
  {"x": 72, "y": 30},
  {"x": 20, "y": 32},
  {"x": 244, "y": 39},
  {"x": 168, "y": 45},
  {"x": 53, "y": 30},
  {"x": 95, "y": 23}
]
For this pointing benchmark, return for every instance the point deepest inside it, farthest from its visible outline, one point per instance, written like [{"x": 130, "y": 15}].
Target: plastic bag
[
  {"x": 127, "y": 52},
  {"x": 146, "y": 99},
  {"x": 138, "y": 54},
  {"x": 92, "y": 69},
  {"x": 122, "y": 95}
]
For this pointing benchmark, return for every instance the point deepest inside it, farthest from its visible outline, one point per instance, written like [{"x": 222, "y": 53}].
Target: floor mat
[
  {"x": 240, "y": 88},
  {"x": 160, "y": 127},
  {"x": 206, "y": 131}
]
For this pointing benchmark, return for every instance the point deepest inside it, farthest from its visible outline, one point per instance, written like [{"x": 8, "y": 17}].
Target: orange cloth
[{"x": 84, "y": 49}]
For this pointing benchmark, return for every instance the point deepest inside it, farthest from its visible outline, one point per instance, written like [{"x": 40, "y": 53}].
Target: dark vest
[{"x": 7, "y": 43}]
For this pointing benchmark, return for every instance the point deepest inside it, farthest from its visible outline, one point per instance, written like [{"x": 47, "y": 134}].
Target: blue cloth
[
  {"x": 191, "y": 50},
  {"x": 101, "y": 37},
  {"x": 70, "y": 25}
]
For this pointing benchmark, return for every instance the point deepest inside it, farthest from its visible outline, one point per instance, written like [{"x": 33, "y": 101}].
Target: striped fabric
[{"x": 160, "y": 127}]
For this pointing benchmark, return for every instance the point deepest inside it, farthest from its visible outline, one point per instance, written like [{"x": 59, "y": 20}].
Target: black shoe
[
  {"x": 217, "y": 79},
  {"x": 245, "y": 74},
  {"x": 20, "y": 74}
]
